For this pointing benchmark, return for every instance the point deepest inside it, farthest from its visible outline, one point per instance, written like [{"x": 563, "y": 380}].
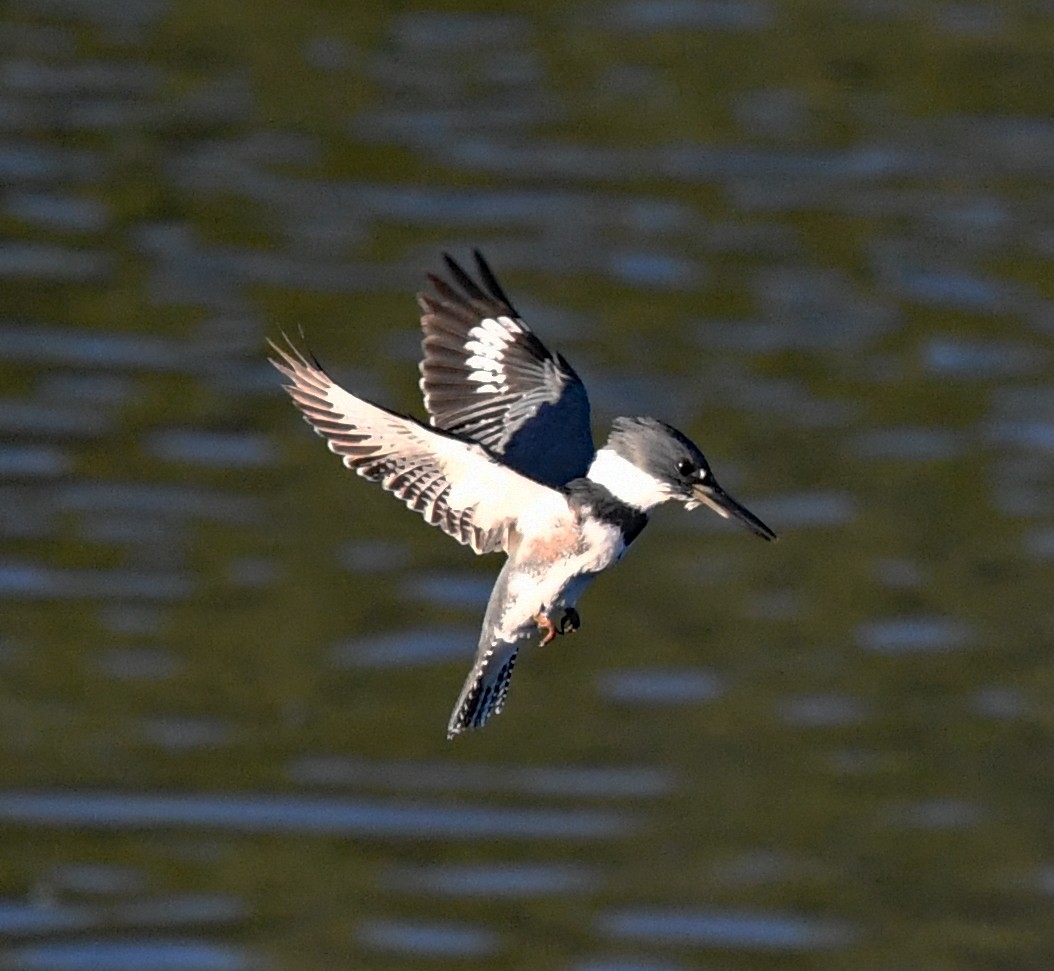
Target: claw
[
  {"x": 546, "y": 625},
  {"x": 569, "y": 621}
]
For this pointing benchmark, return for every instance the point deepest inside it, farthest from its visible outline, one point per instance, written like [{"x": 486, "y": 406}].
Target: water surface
[{"x": 816, "y": 238}]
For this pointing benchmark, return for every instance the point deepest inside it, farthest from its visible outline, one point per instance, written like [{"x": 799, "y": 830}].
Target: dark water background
[{"x": 816, "y": 236}]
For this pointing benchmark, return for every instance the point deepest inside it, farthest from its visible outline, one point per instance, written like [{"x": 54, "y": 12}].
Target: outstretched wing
[
  {"x": 455, "y": 485},
  {"x": 485, "y": 376}
]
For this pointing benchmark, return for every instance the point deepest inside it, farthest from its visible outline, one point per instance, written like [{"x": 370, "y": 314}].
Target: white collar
[{"x": 626, "y": 482}]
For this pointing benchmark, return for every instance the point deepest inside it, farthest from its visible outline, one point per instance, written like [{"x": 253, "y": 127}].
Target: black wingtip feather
[
  {"x": 490, "y": 281},
  {"x": 463, "y": 279},
  {"x": 464, "y": 309},
  {"x": 310, "y": 353}
]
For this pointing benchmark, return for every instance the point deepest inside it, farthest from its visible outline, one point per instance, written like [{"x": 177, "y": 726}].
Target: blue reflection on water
[
  {"x": 82, "y": 348},
  {"x": 290, "y": 814},
  {"x": 430, "y": 938},
  {"x": 1000, "y": 703},
  {"x": 508, "y": 880},
  {"x": 948, "y": 813},
  {"x": 802, "y": 510},
  {"x": 430, "y": 645},
  {"x": 31, "y": 581},
  {"x": 111, "y": 908},
  {"x": 962, "y": 358},
  {"x": 913, "y": 635},
  {"x": 917, "y": 444},
  {"x": 184, "y": 733},
  {"x": 145, "y": 663},
  {"x": 92, "y": 880},
  {"x": 641, "y": 17},
  {"x": 959, "y": 290},
  {"x": 34, "y": 461},
  {"x": 33, "y": 416},
  {"x": 373, "y": 556},
  {"x": 823, "y": 711},
  {"x": 213, "y": 449},
  {"x": 731, "y": 929},
  {"x": 164, "y": 500},
  {"x": 125, "y": 955},
  {"x": 583, "y": 781},
  {"x": 653, "y": 270},
  {"x": 448, "y": 589},
  {"x": 61, "y": 211},
  {"x": 655, "y": 686},
  {"x": 20, "y": 919},
  {"x": 54, "y": 263},
  {"x": 1032, "y": 434}
]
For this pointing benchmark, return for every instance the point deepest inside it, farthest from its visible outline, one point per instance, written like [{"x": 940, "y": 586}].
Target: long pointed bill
[{"x": 712, "y": 495}]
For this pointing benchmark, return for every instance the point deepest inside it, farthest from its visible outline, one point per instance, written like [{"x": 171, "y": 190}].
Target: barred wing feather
[{"x": 455, "y": 485}]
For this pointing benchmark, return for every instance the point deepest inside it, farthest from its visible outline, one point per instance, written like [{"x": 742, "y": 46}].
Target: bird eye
[{"x": 686, "y": 467}]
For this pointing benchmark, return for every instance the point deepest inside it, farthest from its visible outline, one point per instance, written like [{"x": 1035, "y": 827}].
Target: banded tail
[{"x": 485, "y": 689}]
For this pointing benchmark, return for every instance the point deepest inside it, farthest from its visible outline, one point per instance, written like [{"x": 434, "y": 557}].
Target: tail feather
[{"x": 485, "y": 689}]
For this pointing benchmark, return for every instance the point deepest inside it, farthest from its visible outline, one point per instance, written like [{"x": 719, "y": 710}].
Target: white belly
[{"x": 548, "y": 587}]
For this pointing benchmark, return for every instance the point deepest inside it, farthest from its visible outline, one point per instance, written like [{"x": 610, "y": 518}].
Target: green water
[{"x": 816, "y": 237}]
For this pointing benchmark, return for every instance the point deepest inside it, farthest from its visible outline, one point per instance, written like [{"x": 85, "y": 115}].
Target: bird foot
[
  {"x": 546, "y": 626},
  {"x": 568, "y": 623}
]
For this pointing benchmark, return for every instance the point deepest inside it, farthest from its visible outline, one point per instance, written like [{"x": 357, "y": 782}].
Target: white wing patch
[
  {"x": 485, "y": 346},
  {"x": 487, "y": 378}
]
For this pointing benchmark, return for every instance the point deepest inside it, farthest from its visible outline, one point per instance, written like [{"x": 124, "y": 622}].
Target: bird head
[{"x": 649, "y": 462}]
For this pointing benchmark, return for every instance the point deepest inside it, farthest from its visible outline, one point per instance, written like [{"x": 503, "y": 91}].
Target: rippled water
[{"x": 818, "y": 238}]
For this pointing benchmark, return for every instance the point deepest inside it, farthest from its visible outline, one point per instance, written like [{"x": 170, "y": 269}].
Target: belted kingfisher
[{"x": 509, "y": 464}]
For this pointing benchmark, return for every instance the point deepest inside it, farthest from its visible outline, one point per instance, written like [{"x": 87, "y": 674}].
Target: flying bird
[{"x": 507, "y": 464}]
